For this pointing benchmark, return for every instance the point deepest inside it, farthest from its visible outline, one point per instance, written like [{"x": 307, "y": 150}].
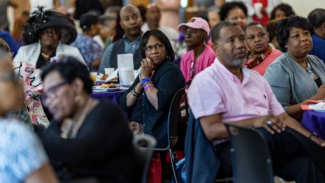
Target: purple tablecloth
[
  {"x": 113, "y": 95},
  {"x": 315, "y": 122}
]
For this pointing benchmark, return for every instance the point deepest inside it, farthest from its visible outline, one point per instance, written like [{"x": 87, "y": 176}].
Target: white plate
[
  {"x": 100, "y": 89},
  {"x": 320, "y": 107}
]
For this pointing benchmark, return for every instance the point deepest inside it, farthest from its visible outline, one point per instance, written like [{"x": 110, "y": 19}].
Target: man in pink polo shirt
[
  {"x": 227, "y": 92},
  {"x": 199, "y": 56}
]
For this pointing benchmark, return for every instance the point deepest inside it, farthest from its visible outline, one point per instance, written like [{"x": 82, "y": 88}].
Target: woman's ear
[{"x": 77, "y": 85}]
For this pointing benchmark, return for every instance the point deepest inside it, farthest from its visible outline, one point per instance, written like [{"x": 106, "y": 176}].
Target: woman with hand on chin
[{"x": 149, "y": 97}]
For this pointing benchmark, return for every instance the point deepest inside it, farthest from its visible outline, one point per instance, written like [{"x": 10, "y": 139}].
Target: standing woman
[
  {"x": 148, "y": 99},
  {"x": 47, "y": 35},
  {"x": 296, "y": 76},
  {"x": 260, "y": 54}
]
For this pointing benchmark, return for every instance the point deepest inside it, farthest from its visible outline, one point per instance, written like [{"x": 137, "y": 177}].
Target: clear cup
[{"x": 93, "y": 76}]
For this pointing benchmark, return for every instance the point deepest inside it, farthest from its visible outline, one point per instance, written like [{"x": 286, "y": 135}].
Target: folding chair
[{"x": 143, "y": 155}]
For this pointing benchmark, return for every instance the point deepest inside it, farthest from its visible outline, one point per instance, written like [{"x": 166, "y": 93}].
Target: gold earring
[{"x": 79, "y": 100}]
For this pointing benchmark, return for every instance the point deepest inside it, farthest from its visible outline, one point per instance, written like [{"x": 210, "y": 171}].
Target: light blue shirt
[
  {"x": 129, "y": 47},
  {"x": 21, "y": 152}
]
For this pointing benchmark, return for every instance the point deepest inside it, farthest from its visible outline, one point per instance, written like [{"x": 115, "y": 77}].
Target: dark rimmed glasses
[
  {"x": 51, "y": 93},
  {"x": 150, "y": 47}
]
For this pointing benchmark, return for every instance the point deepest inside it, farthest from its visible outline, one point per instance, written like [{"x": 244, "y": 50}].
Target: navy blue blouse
[{"x": 168, "y": 79}]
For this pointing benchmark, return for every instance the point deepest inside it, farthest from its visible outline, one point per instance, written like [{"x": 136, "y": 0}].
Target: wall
[{"x": 303, "y": 7}]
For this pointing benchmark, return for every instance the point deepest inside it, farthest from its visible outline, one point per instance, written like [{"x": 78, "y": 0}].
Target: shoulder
[
  {"x": 69, "y": 48},
  {"x": 17, "y": 136},
  {"x": 104, "y": 106},
  {"x": 209, "y": 51},
  {"x": 187, "y": 55},
  {"x": 169, "y": 67},
  {"x": 28, "y": 47},
  {"x": 276, "y": 52},
  {"x": 208, "y": 75}
]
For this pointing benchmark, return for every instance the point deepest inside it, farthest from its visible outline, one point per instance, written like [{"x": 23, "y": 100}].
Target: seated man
[
  {"x": 131, "y": 23},
  {"x": 226, "y": 92}
]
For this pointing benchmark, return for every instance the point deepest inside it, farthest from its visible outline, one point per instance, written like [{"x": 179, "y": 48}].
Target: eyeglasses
[
  {"x": 51, "y": 92},
  {"x": 11, "y": 77},
  {"x": 150, "y": 47}
]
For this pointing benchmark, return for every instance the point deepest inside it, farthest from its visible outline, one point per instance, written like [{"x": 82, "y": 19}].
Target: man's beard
[{"x": 234, "y": 63}]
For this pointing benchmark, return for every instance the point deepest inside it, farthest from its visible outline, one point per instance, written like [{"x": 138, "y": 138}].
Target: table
[
  {"x": 112, "y": 95},
  {"x": 314, "y": 122}
]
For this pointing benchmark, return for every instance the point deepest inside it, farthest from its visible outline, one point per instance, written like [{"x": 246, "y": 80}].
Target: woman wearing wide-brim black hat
[{"x": 47, "y": 34}]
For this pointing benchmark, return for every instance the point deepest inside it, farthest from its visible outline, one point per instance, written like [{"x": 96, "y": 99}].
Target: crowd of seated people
[{"x": 235, "y": 70}]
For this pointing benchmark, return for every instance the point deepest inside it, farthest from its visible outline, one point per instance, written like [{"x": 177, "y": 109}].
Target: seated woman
[
  {"x": 90, "y": 50},
  {"x": 22, "y": 157},
  {"x": 200, "y": 56},
  {"x": 234, "y": 11},
  {"x": 87, "y": 137},
  {"x": 46, "y": 35},
  {"x": 296, "y": 76},
  {"x": 148, "y": 99},
  {"x": 260, "y": 54}
]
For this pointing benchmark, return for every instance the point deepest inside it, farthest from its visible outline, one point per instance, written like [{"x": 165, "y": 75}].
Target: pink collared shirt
[
  {"x": 261, "y": 68},
  {"x": 216, "y": 90},
  {"x": 203, "y": 61}
]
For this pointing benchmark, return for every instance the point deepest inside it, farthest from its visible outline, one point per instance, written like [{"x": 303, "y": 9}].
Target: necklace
[
  {"x": 44, "y": 55},
  {"x": 70, "y": 130}
]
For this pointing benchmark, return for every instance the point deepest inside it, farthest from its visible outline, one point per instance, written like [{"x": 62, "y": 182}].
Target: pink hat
[{"x": 195, "y": 23}]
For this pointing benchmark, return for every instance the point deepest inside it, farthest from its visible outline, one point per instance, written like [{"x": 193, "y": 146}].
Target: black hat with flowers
[{"x": 42, "y": 19}]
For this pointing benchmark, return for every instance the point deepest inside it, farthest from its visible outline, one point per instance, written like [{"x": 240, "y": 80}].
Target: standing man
[
  {"x": 227, "y": 92},
  {"x": 153, "y": 18},
  {"x": 131, "y": 23},
  {"x": 317, "y": 19}
]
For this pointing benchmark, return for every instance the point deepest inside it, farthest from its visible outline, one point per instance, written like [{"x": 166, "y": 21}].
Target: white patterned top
[{"x": 21, "y": 151}]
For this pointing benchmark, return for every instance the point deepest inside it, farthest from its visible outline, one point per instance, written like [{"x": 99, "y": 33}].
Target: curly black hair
[
  {"x": 317, "y": 17},
  {"x": 227, "y": 7},
  {"x": 287, "y": 9},
  {"x": 70, "y": 68},
  {"x": 285, "y": 25},
  {"x": 162, "y": 38}
]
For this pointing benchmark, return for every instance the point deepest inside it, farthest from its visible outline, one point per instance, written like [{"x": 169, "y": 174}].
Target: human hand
[
  {"x": 146, "y": 68},
  {"x": 270, "y": 122}
]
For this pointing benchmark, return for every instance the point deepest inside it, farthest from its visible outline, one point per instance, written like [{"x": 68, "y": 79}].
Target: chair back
[
  {"x": 143, "y": 147},
  {"x": 173, "y": 115},
  {"x": 250, "y": 155}
]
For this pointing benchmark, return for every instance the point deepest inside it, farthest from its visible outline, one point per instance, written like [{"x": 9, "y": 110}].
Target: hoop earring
[{"x": 79, "y": 100}]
